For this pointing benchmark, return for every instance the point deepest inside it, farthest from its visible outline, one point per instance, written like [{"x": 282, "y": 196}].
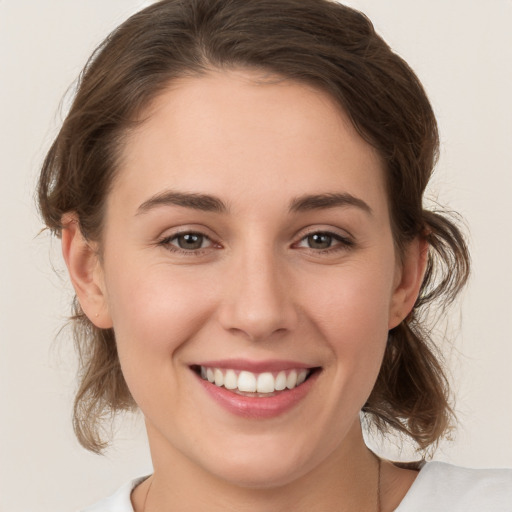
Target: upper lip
[{"x": 270, "y": 365}]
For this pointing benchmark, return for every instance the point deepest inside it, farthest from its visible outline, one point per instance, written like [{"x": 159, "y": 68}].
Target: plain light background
[{"x": 461, "y": 50}]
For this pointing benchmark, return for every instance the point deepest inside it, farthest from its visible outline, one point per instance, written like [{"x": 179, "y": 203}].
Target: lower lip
[{"x": 259, "y": 407}]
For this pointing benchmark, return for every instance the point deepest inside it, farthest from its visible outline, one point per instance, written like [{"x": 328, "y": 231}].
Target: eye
[
  {"x": 319, "y": 241},
  {"x": 187, "y": 241},
  {"x": 325, "y": 241}
]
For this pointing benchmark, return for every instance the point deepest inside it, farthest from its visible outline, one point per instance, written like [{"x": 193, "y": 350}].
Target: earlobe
[
  {"x": 408, "y": 282},
  {"x": 85, "y": 272}
]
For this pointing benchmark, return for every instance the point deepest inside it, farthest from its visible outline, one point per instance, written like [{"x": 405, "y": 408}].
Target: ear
[
  {"x": 85, "y": 272},
  {"x": 410, "y": 272}
]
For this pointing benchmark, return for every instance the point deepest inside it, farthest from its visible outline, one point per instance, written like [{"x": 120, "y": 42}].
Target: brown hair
[{"x": 319, "y": 42}]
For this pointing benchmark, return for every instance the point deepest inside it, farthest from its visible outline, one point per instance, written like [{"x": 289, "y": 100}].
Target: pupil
[
  {"x": 320, "y": 241},
  {"x": 190, "y": 241}
]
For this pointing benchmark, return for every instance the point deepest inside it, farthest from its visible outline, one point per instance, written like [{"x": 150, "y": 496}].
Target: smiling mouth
[{"x": 246, "y": 383}]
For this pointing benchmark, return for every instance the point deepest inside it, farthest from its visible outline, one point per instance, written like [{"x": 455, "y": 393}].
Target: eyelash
[
  {"x": 344, "y": 243},
  {"x": 167, "y": 243}
]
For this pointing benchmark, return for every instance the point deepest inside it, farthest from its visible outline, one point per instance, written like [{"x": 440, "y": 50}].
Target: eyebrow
[
  {"x": 323, "y": 201},
  {"x": 203, "y": 202},
  {"x": 209, "y": 203}
]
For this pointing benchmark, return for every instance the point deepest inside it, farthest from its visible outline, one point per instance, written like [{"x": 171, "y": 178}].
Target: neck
[{"x": 345, "y": 480}]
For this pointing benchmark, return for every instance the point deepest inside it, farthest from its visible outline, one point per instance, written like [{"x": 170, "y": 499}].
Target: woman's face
[{"x": 247, "y": 240}]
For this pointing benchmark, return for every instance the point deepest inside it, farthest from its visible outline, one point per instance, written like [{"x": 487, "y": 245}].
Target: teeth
[
  {"x": 230, "y": 380},
  {"x": 219, "y": 378},
  {"x": 265, "y": 383},
  {"x": 301, "y": 377},
  {"x": 291, "y": 380},
  {"x": 249, "y": 382},
  {"x": 280, "y": 381}
]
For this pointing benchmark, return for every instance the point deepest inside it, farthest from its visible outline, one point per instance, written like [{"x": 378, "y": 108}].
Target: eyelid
[
  {"x": 183, "y": 229},
  {"x": 329, "y": 230},
  {"x": 166, "y": 239},
  {"x": 345, "y": 241}
]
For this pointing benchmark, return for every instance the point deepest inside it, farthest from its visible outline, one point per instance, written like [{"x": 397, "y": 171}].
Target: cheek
[
  {"x": 351, "y": 311},
  {"x": 154, "y": 312},
  {"x": 155, "y": 309},
  {"x": 354, "y": 300}
]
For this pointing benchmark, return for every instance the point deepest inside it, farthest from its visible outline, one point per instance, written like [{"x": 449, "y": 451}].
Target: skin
[{"x": 256, "y": 289}]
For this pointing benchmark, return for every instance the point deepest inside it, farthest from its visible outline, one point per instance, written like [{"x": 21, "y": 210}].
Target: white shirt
[{"x": 439, "y": 487}]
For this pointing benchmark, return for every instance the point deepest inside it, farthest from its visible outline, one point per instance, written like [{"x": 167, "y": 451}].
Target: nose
[{"x": 258, "y": 302}]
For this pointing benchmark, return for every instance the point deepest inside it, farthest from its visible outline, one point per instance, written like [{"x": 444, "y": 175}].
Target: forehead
[{"x": 252, "y": 135}]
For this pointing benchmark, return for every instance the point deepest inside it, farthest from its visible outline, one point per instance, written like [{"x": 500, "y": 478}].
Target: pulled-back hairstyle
[{"x": 318, "y": 42}]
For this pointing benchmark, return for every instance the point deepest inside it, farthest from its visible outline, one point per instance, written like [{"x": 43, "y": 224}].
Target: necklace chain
[
  {"x": 379, "y": 464},
  {"x": 147, "y": 494}
]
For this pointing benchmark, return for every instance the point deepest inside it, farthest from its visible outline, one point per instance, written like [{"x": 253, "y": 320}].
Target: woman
[{"x": 238, "y": 188}]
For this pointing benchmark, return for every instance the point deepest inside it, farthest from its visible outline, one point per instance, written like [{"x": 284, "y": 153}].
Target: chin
[
  {"x": 261, "y": 464},
  {"x": 259, "y": 475}
]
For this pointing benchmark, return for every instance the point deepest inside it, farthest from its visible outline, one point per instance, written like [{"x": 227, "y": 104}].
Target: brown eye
[
  {"x": 325, "y": 241},
  {"x": 190, "y": 241},
  {"x": 187, "y": 242},
  {"x": 319, "y": 241}
]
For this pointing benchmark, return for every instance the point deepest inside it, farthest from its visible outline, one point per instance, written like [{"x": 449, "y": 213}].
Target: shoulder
[
  {"x": 118, "y": 502},
  {"x": 440, "y": 487}
]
